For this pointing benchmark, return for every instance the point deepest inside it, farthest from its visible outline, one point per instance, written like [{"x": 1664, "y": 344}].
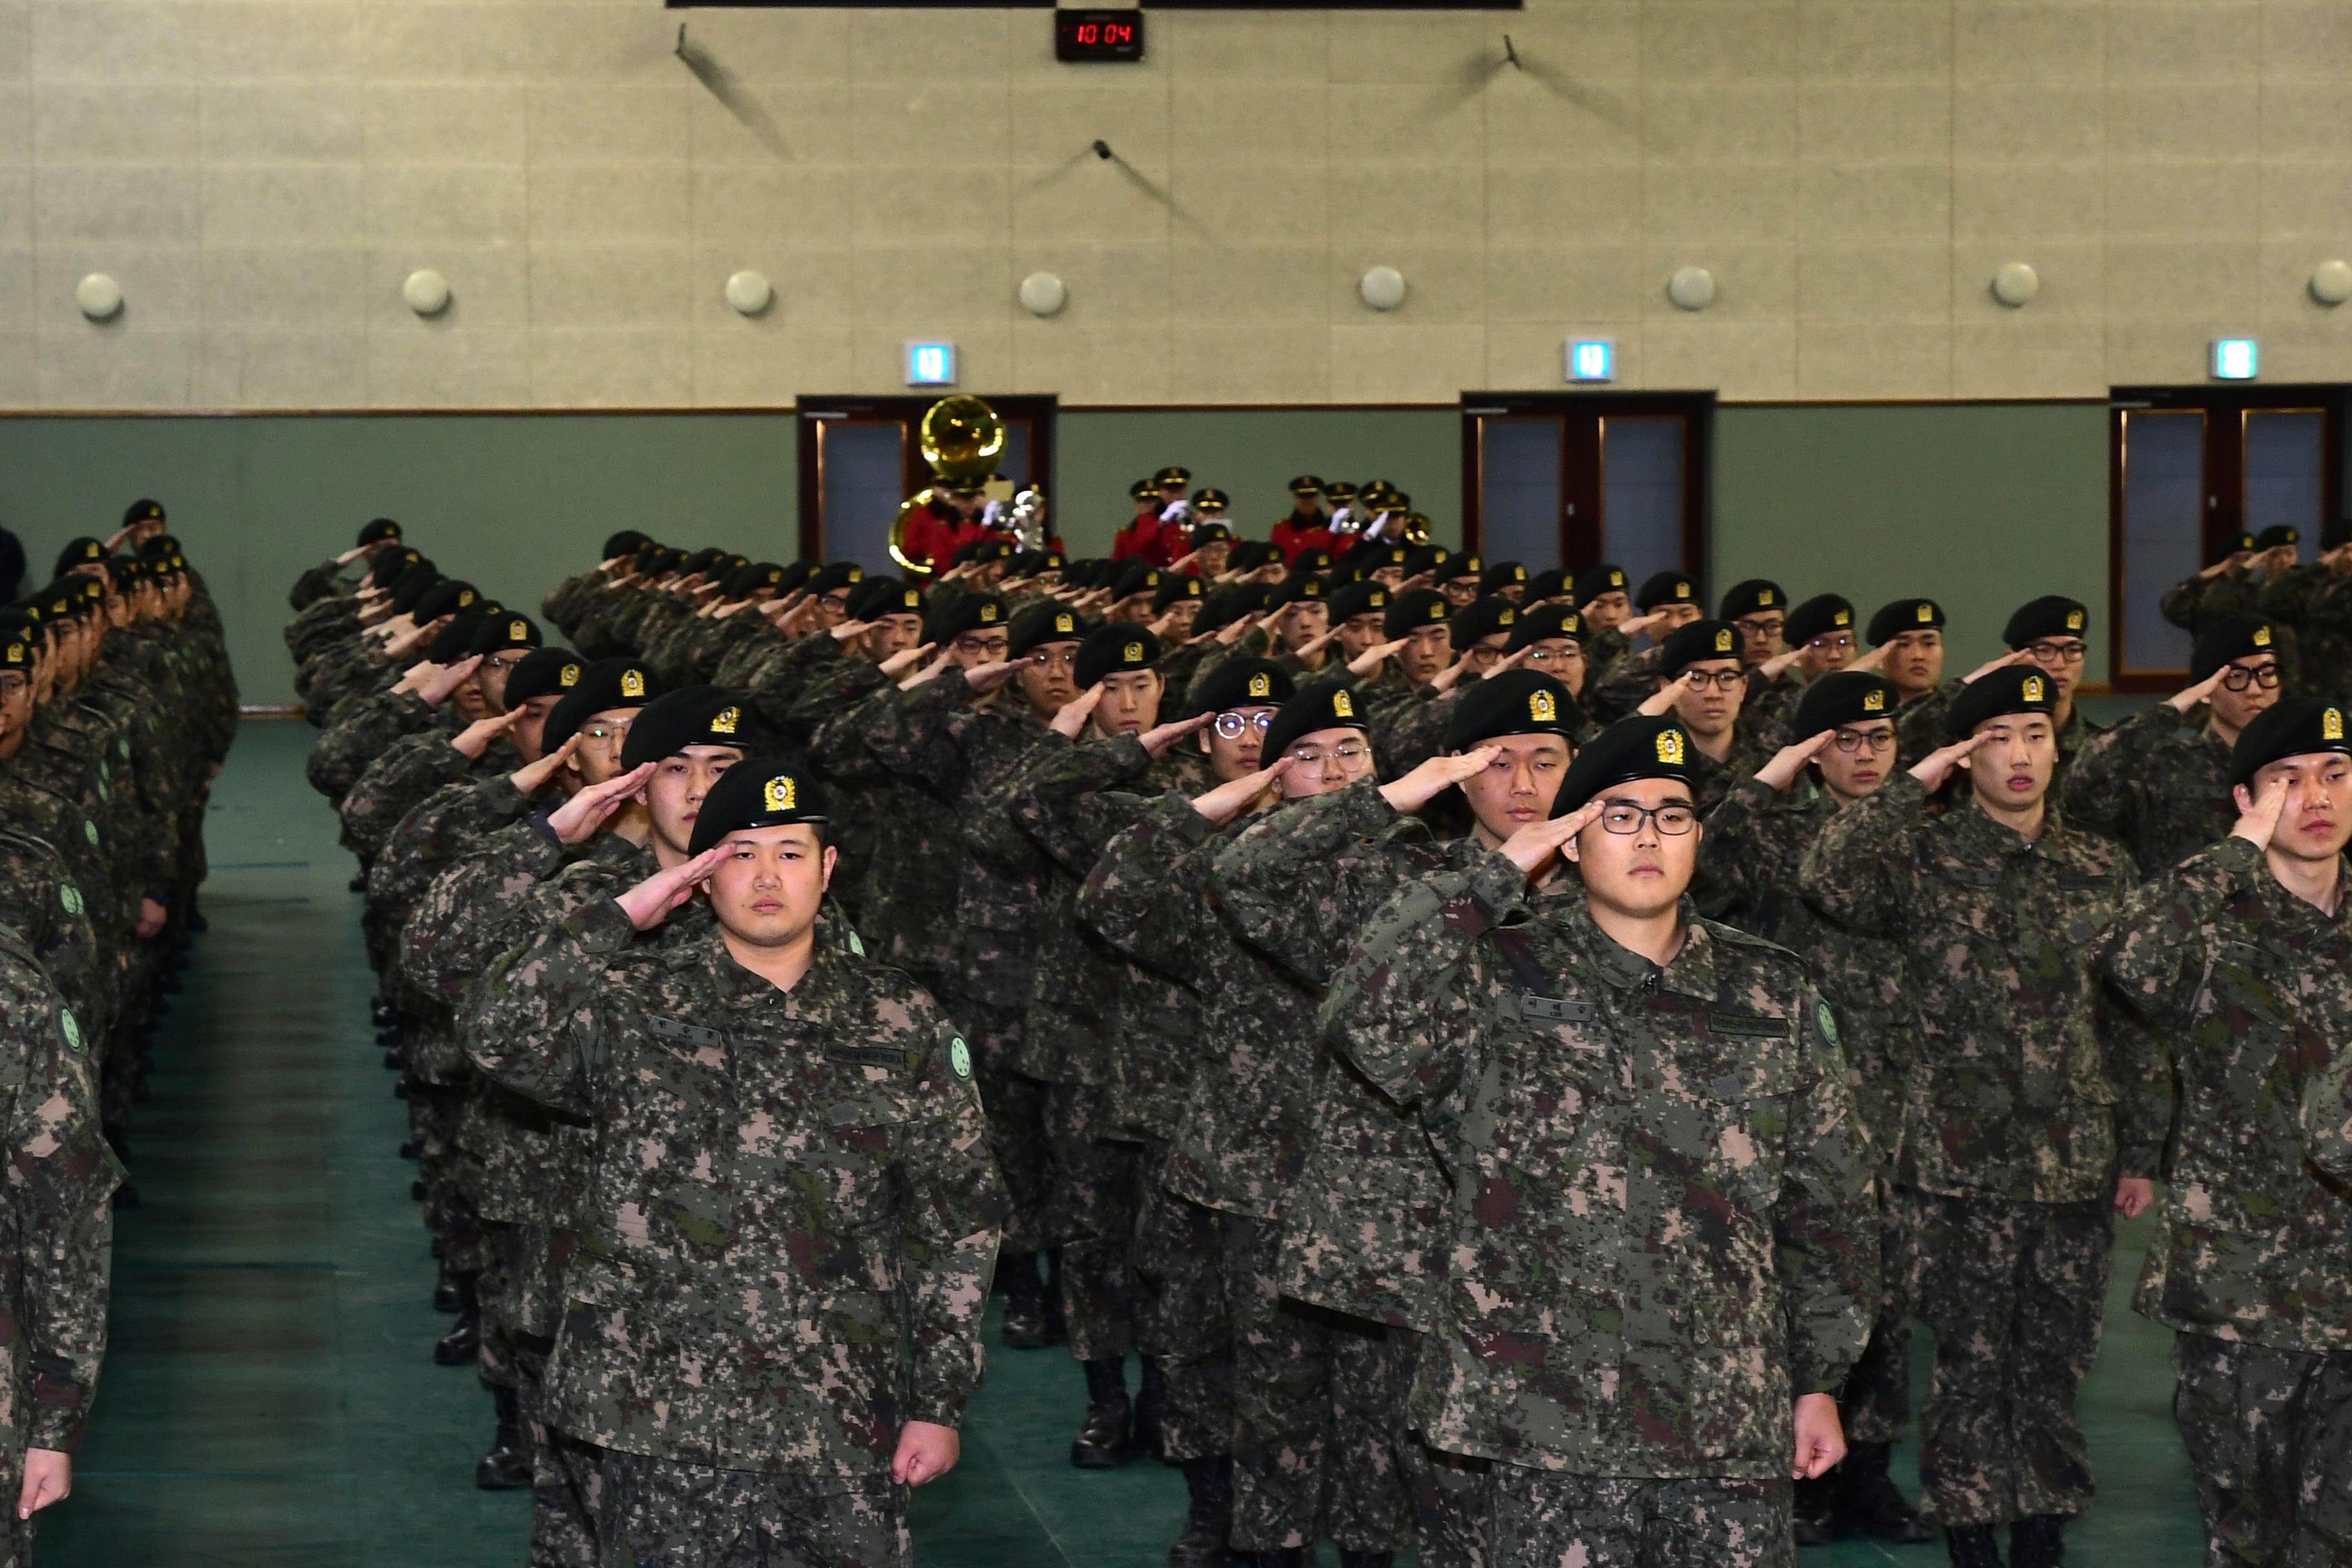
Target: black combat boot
[
  {"x": 1815, "y": 1498},
  {"x": 1149, "y": 1402},
  {"x": 410, "y": 1150},
  {"x": 444, "y": 1291},
  {"x": 506, "y": 1467},
  {"x": 1870, "y": 1503},
  {"x": 1025, "y": 1302},
  {"x": 1209, "y": 1524},
  {"x": 2037, "y": 1542},
  {"x": 1105, "y": 1442},
  {"x": 1057, "y": 1326},
  {"x": 379, "y": 1012},
  {"x": 463, "y": 1342},
  {"x": 1971, "y": 1546}
]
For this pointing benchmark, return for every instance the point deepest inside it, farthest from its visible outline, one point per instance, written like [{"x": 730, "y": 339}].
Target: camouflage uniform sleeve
[
  {"x": 1629, "y": 683},
  {"x": 2326, "y": 1114},
  {"x": 2153, "y": 954},
  {"x": 317, "y": 584},
  {"x": 1729, "y": 860},
  {"x": 913, "y": 736},
  {"x": 837, "y": 744},
  {"x": 402, "y": 775},
  {"x": 2103, "y": 784},
  {"x": 1046, "y": 801},
  {"x": 1132, "y": 899},
  {"x": 359, "y": 735},
  {"x": 1403, "y": 1002},
  {"x": 61, "y": 1180},
  {"x": 955, "y": 1208},
  {"x": 463, "y": 919},
  {"x": 1412, "y": 732},
  {"x": 1858, "y": 872},
  {"x": 531, "y": 1022},
  {"x": 1825, "y": 1225},
  {"x": 2180, "y": 603},
  {"x": 1283, "y": 882}
]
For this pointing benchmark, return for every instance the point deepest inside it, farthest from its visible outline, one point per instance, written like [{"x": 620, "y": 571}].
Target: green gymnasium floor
[{"x": 268, "y": 1398}]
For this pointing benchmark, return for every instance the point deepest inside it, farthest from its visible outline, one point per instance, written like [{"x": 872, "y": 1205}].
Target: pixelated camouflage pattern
[
  {"x": 2159, "y": 781},
  {"x": 1544, "y": 1519},
  {"x": 661, "y": 1513},
  {"x": 2269, "y": 1436}
]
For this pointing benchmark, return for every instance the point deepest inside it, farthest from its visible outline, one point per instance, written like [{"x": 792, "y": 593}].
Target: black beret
[
  {"x": 1483, "y": 618},
  {"x": 1306, "y": 485},
  {"x": 1294, "y": 589},
  {"x": 1242, "y": 683},
  {"x": 1228, "y": 604},
  {"x": 1313, "y": 559},
  {"x": 691, "y": 716},
  {"x": 446, "y": 598},
  {"x": 1115, "y": 650},
  {"x": 964, "y": 612},
  {"x": 1746, "y": 598},
  {"x": 1595, "y": 581},
  {"x": 750, "y": 578},
  {"x": 2012, "y": 689},
  {"x": 1696, "y": 643},
  {"x": 158, "y": 547},
  {"x": 1454, "y": 571},
  {"x": 1544, "y": 621},
  {"x": 629, "y": 542},
  {"x": 1818, "y": 617},
  {"x": 2276, "y": 535},
  {"x": 837, "y": 575},
  {"x": 797, "y": 574},
  {"x": 703, "y": 560},
  {"x": 1843, "y": 697},
  {"x": 1427, "y": 558},
  {"x": 1034, "y": 563},
  {"x": 1359, "y": 599},
  {"x": 2232, "y": 638},
  {"x": 1326, "y": 704},
  {"x": 385, "y": 569},
  {"x": 1135, "y": 575},
  {"x": 1502, "y": 575},
  {"x": 879, "y": 597},
  {"x": 757, "y": 791},
  {"x": 1667, "y": 588},
  {"x": 1407, "y": 613},
  {"x": 1904, "y": 616},
  {"x": 456, "y": 640},
  {"x": 1512, "y": 703},
  {"x": 2051, "y": 616},
  {"x": 82, "y": 552},
  {"x": 1209, "y": 533},
  {"x": 143, "y": 510},
  {"x": 2239, "y": 543},
  {"x": 1045, "y": 621},
  {"x": 20, "y": 645},
  {"x": 125, "y": 568},
  {"x": 1640, "y": 747},
  {"x": 409, "y": 589},
  {"x": 1175, "y": 585},
  {"x": 544, "y": 672},
  {"x": 2298, "y": 726},
  {"x": 2336, "y": 534},
  {"x": 381, "y": 529},
  {"x": 505, "y": 630},
  {"x": 605, "y": 685},
  {"x": 1549, "y": 583}
]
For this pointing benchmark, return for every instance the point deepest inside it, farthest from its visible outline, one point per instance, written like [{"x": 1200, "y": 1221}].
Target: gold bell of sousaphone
[{"x": 961, "y": 438}]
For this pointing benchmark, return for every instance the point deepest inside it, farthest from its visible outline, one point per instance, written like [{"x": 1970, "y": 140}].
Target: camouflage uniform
[
  {"x": 60, "y": 1223},
  {"x": 2194, "y": 604},
  {"x": 1919, "y": 724},
  {"x": 2159, "y": 781},
  {"x": 722, "y": 1252},
  {"x": 1239, "y": 1149},
  {"x": 2076, "y": 733},
  {"x": 2022, "y": 1090},
  {"x": 1750, "y": 859},
  {"x": 2253, "y": 1264},
  {"x": 1660, "y": 1218}
]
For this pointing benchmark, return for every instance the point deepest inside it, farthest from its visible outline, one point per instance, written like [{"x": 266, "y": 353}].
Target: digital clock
[{"x": 1088, "y": 36}]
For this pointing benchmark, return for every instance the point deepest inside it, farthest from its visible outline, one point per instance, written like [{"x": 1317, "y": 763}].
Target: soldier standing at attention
[
  {"x": 2241, "y": 957},
  {"x": 2159, "y": 781},
  {"x": 789, "y": 1215},
  {"x": 2023, "y": 1096},
  {"x": 1660, "y": 1266}
]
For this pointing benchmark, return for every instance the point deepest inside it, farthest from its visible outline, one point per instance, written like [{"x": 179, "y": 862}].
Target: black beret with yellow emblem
[
  {"x": 691, "y": 716},
  {"x": 1595, "y": 581},
  {"x": 605, "y": 685},
  {"x": 1822, "y": 615},
  {"x": 1407, "y": 613},
  {"x": 544, "y": 672},
  {"x": 965, "y": 612},
  {"x": 1753, "y": 596},
  {"x": 2013, "y": 689},
  {"x": 1045, "y": 622},
  {"x": 1841, "y": 698},
  {"x": 1242, "y": 683},
  {"x": 2051, "y": 616},
  {"x": 1904, "y": 616},
  {"x": 2227, "y": 640},
  {"x": 1115, "y": 650},
  {"x": 1483, "y": 618},
  {"x": 1545, "y": 622},
  {"x": 1662, "y": 588},
  {"x": 757, "y": 791},
  {"x": 1640, "y": 747},
  {"x": 1513, "y": 702},
  {"x": 1696, "y": 644},
  {"x": 1326, "y": 704},
  {"x": 2298, "y": 726}
]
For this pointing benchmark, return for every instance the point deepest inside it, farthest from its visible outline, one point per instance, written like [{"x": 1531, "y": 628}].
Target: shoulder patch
[
  {"x": 69, "y": 1028},
  {"x": 70, "y": 897},
  {"x": 856, "y": 947},
  {"x": 959, "y": 1057},
  {"x": 89, "y": 831},
  {"x": 1828, "y": 1023}
]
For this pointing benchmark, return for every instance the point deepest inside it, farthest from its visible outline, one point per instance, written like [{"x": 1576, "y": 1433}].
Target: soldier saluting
[{"x": 788, "y": 1173}]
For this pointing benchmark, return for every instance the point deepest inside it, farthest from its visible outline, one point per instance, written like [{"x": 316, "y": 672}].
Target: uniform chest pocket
[
  {"x": 1965, "y": 899},
  {"x": 1733, "y": 1129}
]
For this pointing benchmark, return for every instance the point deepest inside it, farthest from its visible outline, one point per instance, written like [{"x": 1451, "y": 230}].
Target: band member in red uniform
[{"x": 1308, "y": 526}]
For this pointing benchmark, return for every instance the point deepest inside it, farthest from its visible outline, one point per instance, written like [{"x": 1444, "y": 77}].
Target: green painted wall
[{"x": 1982, "y": 507}]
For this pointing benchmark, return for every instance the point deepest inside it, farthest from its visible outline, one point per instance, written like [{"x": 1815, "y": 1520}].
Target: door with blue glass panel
[{"x": 1572, "y": 479}]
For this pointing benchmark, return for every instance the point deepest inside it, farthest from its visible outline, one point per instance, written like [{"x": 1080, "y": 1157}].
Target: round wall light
[
  {"x": 2331, "y": 282},
  {"x": 749, "y": 292},
  {"x": 2015, "y": 284},
  {"x": 1382, "y": 288},
  {"x": 426, "y": 291},
  {"x": 1691, "y": 288},
  {"x": 100, "y": 296},
  {"x": 1042, "y": 294}
]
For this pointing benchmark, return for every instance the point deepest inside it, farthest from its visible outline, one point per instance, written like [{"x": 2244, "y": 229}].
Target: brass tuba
[{"x": 962, "y": 438}]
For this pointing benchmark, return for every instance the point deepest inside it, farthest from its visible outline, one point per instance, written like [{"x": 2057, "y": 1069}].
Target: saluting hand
[
  {"x": 2181, "y": 701},
  {"x": 1370, "y": 661},
  {"x": 1225, "y": 801},
  {"x": 905, "y": 658},
  {"x": 848, "y": 629},
  {"x": 2021, "y": 656},
  {"x": 650, "y": 901},
  {"x": 1789, "y": 761},
  {"x": 1446, "y": 680},
  {"x": 447, "y": 679},
  {"x": 476, "y": 738},
  {"x": 531, "y": 776},
  {"x": 1071, "y": 718},
  {"x": 1772, "y": 669},
  {"x": 1531, "y": 848},
  {"x": 577, "y": 819},
  {"x": 2260, "y": 821},
  {"x": 1657, "y": 703},
  {"x": 1877, "y": 658},
  {"x": 986, "y": 677},
  {"x": 1631, "y": 625},
  {"x": 1508, "y": 662},
  {"x": 1436, "y": 776},
  {"x": 1155, "y": 740},
  {"x": 931, "y": 671},
  {"x": 1932, "y": 769}
]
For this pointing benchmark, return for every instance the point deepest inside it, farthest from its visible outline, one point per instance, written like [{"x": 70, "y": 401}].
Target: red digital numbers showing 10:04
[{"x": 1097, "y": 35}]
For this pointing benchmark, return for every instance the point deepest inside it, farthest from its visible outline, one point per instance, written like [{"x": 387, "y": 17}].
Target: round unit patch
[
  {"x": 959, "y": 1057},
  {"x": 73, "y": 1030}
]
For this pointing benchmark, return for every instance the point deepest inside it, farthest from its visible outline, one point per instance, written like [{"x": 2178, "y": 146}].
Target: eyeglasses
[
  {"x": 607, "y": 734},
  {"x": 2056, "y": 652},
  {"x": 1480, "y": 653},
  {"x": 507, "y": 661},
  {"x": 1834, "y": 641},
  {"x": 1851, "y": 741},
  {"x": 1721, "y": 679},
  {"x": 1052, "y": 658},
  {"x": 2238, "y": 677},
  {"x": 1231, "y": 725},
  {"x": 1540, "y": 654},
  {"x": 1306, "y": 759},
  {"x": 1762, "y": 627},
  {"x": 995, "y": 647},
  {"x": 1624, "y": 821}
]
